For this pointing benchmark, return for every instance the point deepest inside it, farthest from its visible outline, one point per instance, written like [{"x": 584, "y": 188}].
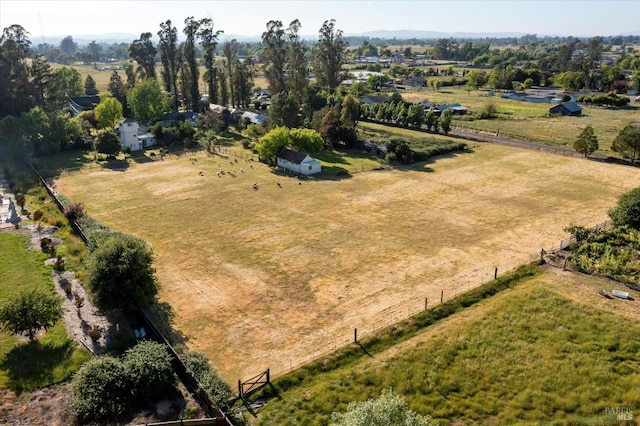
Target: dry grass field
[{"x": 275, "y": 276}]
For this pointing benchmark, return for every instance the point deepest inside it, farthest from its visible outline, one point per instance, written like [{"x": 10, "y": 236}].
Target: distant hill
[{"x": 84, "y": 39}]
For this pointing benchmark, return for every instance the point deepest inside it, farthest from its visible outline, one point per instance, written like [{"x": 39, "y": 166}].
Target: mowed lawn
[{"x": 276, "y": 276}]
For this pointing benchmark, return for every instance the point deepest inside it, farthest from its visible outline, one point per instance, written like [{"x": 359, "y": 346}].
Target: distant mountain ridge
[{"x": 84, "y": 39}]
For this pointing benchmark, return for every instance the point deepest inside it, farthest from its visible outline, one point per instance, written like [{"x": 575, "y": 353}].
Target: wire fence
[{"x": 323, "y": 343}]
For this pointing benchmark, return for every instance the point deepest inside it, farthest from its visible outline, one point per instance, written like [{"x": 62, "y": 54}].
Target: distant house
[
  {"x": 416, "y": 81},
  {"x": 456, "y": 108},
  {"x": 254, "y": 117},
  {"x": 374, "y": 99},
  {"x": 133, "y": 136},
  {"x": 298, "y": 162},
  {"x": 566, "y": 108},
  {"x": 179, "y": 117},
  {"x": 82, "y": 103}
]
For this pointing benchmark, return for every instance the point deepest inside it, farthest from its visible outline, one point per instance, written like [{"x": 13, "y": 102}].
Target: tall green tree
[
  {"x": 330, "y": 52},
  {"x": 94, "y": 51},
  {"x": 121, "y": 274},
  {"x": 191, "y": 91},
  {"x": 29, "y": 311},
  {"x": 42, "y": 81},
  {"x": 15, "y": 86},
  {"x": 90, "y": 86},
  {"x": 274, "y": 56},
  {"x": 67, "y": 81},
  {"x": 169, "y": 56},
  {"x": 296, "y": 63},
  {"x": 587, "y": 142},
  {"x": 209, "y": 41},
  {"x": 284, "y": 110},
  {"x": 117, "y": 88},
  {"x": 243, "y": 81},
  {"x": 627, "y": 143},
  {"x": 445, "y": 120},
  {"x": 108, "y": 112},
  {"x": 144, "y": 53},
  {"x": 147, "y": 102},
  {"x": 68, "y": 46},
  {"x": 230, "y": 53}
]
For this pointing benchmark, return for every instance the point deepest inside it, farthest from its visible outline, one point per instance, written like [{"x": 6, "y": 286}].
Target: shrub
[
  {"x": 58, "y": 265},
  {"x": 212, "y": 383},
  {"x": 95, "y": 333},
  {"x": 627, "y": 211},
  {"x": 488, "y": 111},
  {"x": 148, "y": 366},
  {"x": 37, "y": 215},
  {"x": 74, "y": 211},
  {"x": 46, "y": 244},
  {"x": 101, "y": 391}
]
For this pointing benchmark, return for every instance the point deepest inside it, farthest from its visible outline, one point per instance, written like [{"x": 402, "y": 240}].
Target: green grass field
[
  {"x": 525, "y": 356},
  {"x": 531, "y": 122},
  {"x": 53, "y": 357},
  {"x": 278, "y": 276}
]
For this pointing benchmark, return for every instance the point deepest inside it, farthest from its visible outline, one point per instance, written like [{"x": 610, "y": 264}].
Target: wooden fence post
[
  {"x": 425, "y": 303},
  {"x": 355, "y": 335},
  {"x": 495, "y": 274},
  {"x": 239, "y": 388},
  {"x": 441, "y": 296}
]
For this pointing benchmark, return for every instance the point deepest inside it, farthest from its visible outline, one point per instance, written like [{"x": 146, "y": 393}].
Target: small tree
[
  {"x": 627, "y": 143},
  {"x": 445, "y": 120},
  {"x": 90, "y": 86},
  {"x": 29, "y": 311},
  {"x": 148, "y": 366},
  {"x": 101, "y": 390},
  {"x": 108, "y": 112},
  {"x": 121, "y": 274},
  {"x": 587, "y": 142},
  {"x": 627, "y": 211},
  {"x": 388, "y": 409},
  {"x": 107, "y": 142}
]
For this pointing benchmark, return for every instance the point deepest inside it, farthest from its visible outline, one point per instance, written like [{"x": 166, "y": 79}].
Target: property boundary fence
[
  {"x": 604, "y": 226},
  {"x": 325, "y": 343},
  {"x": 216, "y": 416}
]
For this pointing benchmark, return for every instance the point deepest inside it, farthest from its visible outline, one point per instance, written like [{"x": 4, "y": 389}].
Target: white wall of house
[
  {"x": 129, "y": 135},
  {"x": 308, "y": 166}
]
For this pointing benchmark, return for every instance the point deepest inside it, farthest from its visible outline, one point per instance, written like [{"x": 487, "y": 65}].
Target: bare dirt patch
[{"x": 276, "y": 277}]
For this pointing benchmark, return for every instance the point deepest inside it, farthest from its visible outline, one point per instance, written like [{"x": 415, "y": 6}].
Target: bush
[
  {"x": 37, "y": 215},
  {"x": 627, "y": 211},
  {"x": 212, "y": 383},
  {"x": 488, "y": 111},
  {"x": 148, "y": 366},
  {"x": 101, "y": 391}
]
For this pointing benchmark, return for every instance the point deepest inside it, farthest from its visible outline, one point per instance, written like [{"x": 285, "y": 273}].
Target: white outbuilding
[{"x": 298, "y": 162}]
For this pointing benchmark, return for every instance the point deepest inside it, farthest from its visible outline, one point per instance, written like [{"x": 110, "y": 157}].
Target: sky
[{"x": 584, "y": 18}]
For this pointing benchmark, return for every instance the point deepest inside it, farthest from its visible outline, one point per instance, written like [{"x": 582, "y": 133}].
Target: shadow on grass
[
  {"x": 141, "y": 158},
  {"x": 423, "y": 166},
  {"x": 118, "y": 165},
  {"x": 364, "y": 350},
  {"x": 30, "y": 365}
]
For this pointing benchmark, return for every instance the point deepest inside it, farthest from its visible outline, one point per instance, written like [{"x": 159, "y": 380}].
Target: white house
[
  {"x": 298, "y": 162},
  {"x": 133, "y": 136}
]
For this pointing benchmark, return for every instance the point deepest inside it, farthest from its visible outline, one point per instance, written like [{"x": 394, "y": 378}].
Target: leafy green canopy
[
  {"x": 121, "y": 274},
  {"x": 627, "y": 211},
  {"x": 29, "y": 311}
]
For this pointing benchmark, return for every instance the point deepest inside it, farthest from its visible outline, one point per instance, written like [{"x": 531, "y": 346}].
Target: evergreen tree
[
  {"x": 209, "y": 42},
  {"x": 587, "y": 142},
  {"x": 90, "y": 86},
  {"x": 169, "y": 57},
  {"x": 330, "y": 54},
  {"x": 144, "y": 53}
]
